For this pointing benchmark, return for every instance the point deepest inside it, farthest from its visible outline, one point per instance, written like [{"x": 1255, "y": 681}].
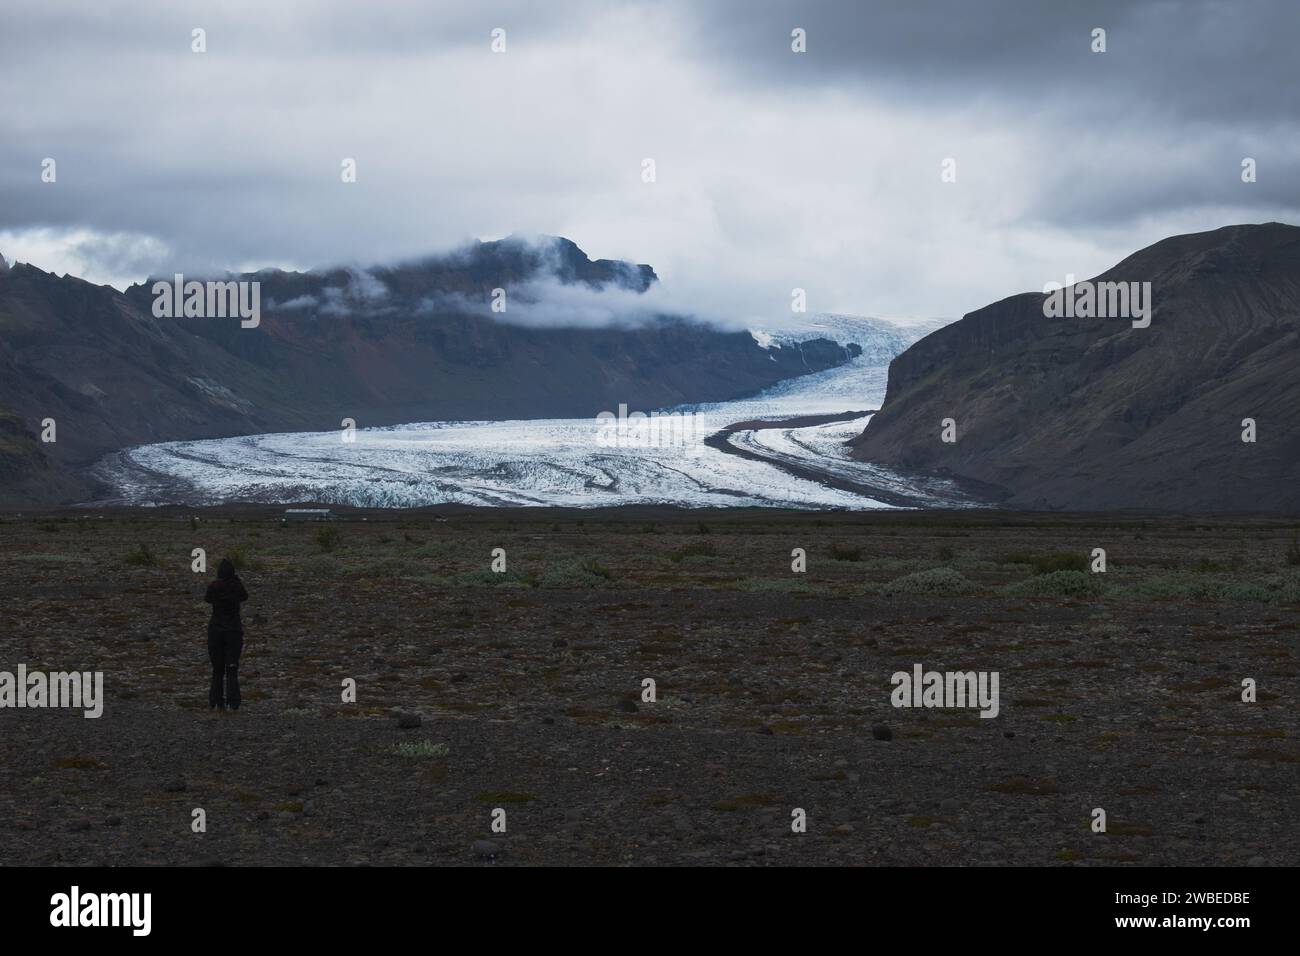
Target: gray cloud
[
  {"x": 775, "y": 170},
  {"x": 546, "y": 302},
  {"x": 1184, "y": 60}
]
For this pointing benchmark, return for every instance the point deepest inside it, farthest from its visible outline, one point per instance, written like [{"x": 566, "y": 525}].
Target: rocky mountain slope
[
  {"x": 413, "y": 342},
  {"x": 1093, "y": 413}
]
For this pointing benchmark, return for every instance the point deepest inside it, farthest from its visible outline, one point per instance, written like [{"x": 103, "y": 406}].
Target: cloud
[
  {"x": 775, "y": 170},
  {"x": 308, "y": 302},
  {"x": 98, "y": 257},
  {"x": 548, "y": 303},
  {"x": 1178, "y": 61}
]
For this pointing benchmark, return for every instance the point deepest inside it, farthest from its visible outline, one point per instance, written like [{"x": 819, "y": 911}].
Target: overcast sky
[{"x": 774, "y": 169}]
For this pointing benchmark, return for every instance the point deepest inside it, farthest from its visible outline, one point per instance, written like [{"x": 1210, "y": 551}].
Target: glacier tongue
[{"x": 556, "y": 462}]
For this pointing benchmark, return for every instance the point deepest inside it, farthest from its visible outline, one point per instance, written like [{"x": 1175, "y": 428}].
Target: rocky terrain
[
  {"x": 1095, "y": 414},
  {"x": 407, "y": 343},
  {"x": 522, "y": 691}
]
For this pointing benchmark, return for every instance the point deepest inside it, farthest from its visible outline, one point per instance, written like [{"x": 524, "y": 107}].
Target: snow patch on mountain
[{"x": 879, "y": 339}]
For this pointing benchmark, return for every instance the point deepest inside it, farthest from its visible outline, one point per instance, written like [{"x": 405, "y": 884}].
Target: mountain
[
  {"x": 1095, "y": 413},
  {"x": 388, "y": 345}
]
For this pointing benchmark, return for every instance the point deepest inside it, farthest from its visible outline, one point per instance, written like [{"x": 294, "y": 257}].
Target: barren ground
[{"x": 1119, "y": 690}]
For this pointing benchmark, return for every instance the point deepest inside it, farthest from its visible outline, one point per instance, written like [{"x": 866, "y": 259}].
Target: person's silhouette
[{"x": 225, "y": 635}]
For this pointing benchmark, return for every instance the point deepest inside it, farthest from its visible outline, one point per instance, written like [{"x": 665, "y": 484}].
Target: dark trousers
[{"x": 223, "y": 652}]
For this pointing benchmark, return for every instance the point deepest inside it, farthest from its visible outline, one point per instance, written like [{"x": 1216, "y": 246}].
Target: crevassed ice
[{"x": 555, "y": 462}]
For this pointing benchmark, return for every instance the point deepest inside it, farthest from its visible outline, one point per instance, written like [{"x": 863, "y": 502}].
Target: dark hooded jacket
[{"x": 225, "y": 594}]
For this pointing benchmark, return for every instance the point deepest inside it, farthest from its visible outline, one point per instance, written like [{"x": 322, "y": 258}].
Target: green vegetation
[
  {"x": 1057, "y": 584},
  {"x": 243, "y": 561},
  {"x": 694, "y": 549},
  {"x": 931, "y": 581},
  {"x": 504, "y": 796},
  {"x": 576, "y": 572},
  {"x": 143, "y": 557},
  {"x": 420, "y": 749},
  {"x": 844, "y": 552},
  {"x": 1049, "y": 563},
  {"x": 748, "y": 801},
  {"x": 328, "y": 537},
  {"x": 794, "y": 583},
  {"x": 77, "y": 763},
  {"x": 1279, "y": 588}
]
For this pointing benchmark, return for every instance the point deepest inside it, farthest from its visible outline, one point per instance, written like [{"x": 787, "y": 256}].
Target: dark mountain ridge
[
  {"x": 410, "y": 342},
  {"x": 1095, "y": 414}
]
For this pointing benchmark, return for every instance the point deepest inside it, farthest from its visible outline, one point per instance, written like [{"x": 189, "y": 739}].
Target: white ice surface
[{"x": 555, "y": 462}]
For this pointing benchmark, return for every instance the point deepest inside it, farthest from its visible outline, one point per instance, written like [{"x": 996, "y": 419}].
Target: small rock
[
  {"x": 176, "y": 786},
  {"x": 881, "y": 732},
  {"x": 112, "y": 821},
  {"x": 408, "y": 721},
  {"x": 627, "y": 706},
  {"x": 487, "y": 849},
  {"x": 765, "y": 730},
  {"x": 459, "y": 678}
]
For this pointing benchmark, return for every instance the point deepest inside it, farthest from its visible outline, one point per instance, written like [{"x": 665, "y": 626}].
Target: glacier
[{"x": 559, "y": 462}]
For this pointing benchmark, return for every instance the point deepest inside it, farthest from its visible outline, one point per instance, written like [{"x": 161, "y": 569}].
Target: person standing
[{"x": 225, "y": 636}]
